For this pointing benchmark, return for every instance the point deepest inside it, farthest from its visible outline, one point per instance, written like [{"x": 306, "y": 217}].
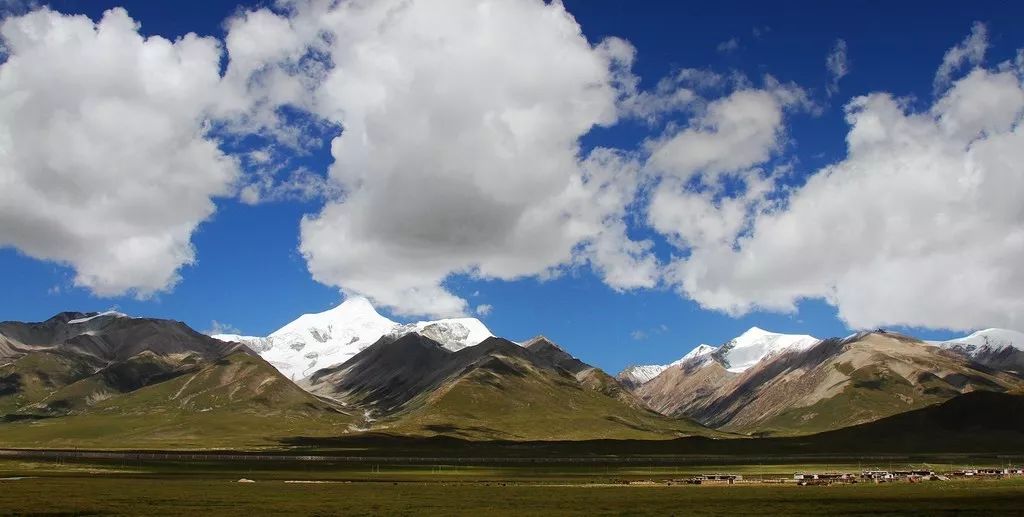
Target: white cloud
[
  {"x": 734, "y": 133},
  {"x": 705, "y": 218},
  {"x": 15, "y": 7},
  {"x": 217, "y": 327},
  {"x": 676, "y": 93},
  {"x": 459, "y": 153},
  {"x": 971, "y": 51},
  {"x": 838, "y": 66},
  {"x": 300, "y": 184},
  {"x": 484, "y": 309},
  {"x": 920, "y": 225},
  {"x": 601, "y": 196},
  {"x": 104, "y": 160},
  {"x": 728, "y": 46}
]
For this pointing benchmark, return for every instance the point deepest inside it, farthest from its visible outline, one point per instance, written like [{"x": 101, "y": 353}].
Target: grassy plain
[{"x": 210, "y": 488}]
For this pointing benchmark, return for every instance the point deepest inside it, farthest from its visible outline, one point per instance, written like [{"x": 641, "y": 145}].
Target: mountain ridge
[
  {"x": 320, "y": 340},
  {"x": 496, "y": 389},
  {"x": 834, "y": 383},
  {"x": 96, "y": 376}
]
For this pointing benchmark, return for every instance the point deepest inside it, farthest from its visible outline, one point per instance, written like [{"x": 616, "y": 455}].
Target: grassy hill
[
  {"x": 511, "y": 399},
  {"x": 984, "y": 423},
  {"x": 495, "y": 390},
  {"x": 109, "y": 381},
  {"x": 238, "y": 401}
]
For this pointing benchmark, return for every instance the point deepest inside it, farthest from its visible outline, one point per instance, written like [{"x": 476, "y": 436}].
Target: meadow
[{"x": 212, "y": 488}]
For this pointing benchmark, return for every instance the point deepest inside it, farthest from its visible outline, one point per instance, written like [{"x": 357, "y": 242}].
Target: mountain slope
[
  {"x": 588, "y": 376},
  {"x": 976, "y": 421},
  {"x": 329, "y": 338},
  {"x": 635, "y": 376},
  {"x": 687, "y": 387},
  {"x": 73, "y": 360},
  {"x": 496, "y": 389},
  {"x": 831, "y": 384},
  {"x": 111, "y": 380},
  {"x": 737, "y": 355}
]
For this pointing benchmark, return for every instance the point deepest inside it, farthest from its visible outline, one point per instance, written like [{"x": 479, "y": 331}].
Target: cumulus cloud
[
  {"x": 105, "y": 162},
  {"x": 734, "y": 133},
  {"x": 919, "y": 225},
  {"x": 970, "y": 51},
  {"x": 459, "y": 152},
  {"x": 702, "y": 218},
  {"x": 838, "y": 66},
  {"x": 484, "y": 309}
]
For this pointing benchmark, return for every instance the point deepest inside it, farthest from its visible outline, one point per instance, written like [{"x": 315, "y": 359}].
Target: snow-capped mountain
[
  {"x": 736, "y": 356},
  {"x": 991, "y": 340},
  {"x": 757, "y": 344},
  {"x": 1000, "y": 349},
  {"x": 454, "y": 333},
  {"x": 700, "y": 351},
  {"x": 639, "y": 374},
  {"x": 315, "y": 341}
]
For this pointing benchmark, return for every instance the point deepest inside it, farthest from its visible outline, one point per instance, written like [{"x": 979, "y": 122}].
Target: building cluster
[
  {"x": 709, "y": 479},
  {"x": 886, "y": 476},
  {"x": 989, "y": 472},
  {"x": 829, "y": 478}
]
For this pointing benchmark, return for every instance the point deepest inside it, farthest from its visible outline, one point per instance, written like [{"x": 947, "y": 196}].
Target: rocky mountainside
[
  {"x": 827, "y": 385},
  {"x": 496, "y": 389},
  {"x": 315, "y": 341}
]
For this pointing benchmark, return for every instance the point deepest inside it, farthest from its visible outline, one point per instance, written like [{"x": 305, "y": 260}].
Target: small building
[
  {"x": 825, "y": 476},
  {"x": 992, "y": 472},
  {"x": 715, "y": 479},
  {"x": 876, "y": 475},
  {"x": 913, "y": 475}
]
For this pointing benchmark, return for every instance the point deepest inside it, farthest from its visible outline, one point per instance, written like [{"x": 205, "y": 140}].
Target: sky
[{"x": 630, "y": 179}]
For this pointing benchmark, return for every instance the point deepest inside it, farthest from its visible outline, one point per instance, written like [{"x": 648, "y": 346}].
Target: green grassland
[{"x": 125, "y": 488}]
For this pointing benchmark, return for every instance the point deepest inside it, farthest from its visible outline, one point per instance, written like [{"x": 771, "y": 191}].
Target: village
[{"x": 831, "y": 478}]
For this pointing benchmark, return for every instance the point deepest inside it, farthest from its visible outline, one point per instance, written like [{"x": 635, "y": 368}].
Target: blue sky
[{"x": 249, "y": 272}]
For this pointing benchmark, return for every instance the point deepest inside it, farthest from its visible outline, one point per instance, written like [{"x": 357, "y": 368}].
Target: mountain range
[
  {"x": 768, "y": 383},
  {"x": 107, "y": 379}
]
